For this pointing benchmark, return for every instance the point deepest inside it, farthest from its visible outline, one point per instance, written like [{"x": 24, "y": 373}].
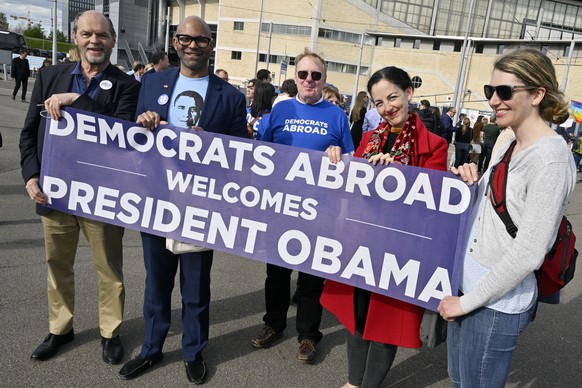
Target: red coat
[{"x": 389, "y": 320}]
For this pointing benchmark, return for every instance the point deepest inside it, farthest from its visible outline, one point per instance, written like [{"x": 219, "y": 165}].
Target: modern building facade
[
  {"x": 70, "y": 10},
  {"x": 449, "y": 46}
]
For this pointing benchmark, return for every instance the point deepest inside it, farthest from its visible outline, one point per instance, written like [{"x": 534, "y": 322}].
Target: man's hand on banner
[
  {"x": 334, "y": 153},
  {"x": 34, "y": 191},
  {"x": 150, "y": 120},
  {"x": 54, "y": 103}
]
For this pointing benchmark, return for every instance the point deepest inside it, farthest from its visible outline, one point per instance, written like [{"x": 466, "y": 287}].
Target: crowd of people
[{"x": 497, "y": 292}]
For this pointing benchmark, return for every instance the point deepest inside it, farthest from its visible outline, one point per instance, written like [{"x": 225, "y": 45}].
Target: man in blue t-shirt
[
  {"x": 306, "y": 121},
  {"x": 187, "y": 97}
]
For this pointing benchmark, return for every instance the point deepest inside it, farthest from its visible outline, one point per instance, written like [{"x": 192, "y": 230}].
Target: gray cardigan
[{"x": 540, "y": 183}]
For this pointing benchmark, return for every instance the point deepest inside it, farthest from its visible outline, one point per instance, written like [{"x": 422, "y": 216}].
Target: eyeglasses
[
  {"x": 186, "y": 40},
  {"x": 504, "y": 92},
  {"x": 315, "y": 75}
]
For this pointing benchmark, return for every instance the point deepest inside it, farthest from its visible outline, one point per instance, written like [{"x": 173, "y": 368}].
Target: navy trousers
[{"x": 161, "y": 266}]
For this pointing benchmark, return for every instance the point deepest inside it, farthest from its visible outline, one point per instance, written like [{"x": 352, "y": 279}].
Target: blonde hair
[
  {"x": 358, "y": 105},
  {"x": 308, "y": 53},
  {"x": 536, "y": 69},
  {"x": 74, "y": 54},
  {"x": 331, "y": 91}
]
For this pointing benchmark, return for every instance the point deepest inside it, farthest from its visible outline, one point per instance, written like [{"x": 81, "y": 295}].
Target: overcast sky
[{"x": 40, "y": 12}]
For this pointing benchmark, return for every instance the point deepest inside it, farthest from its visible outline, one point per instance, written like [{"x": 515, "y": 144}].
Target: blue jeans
[{"x": 480, "y": 346}]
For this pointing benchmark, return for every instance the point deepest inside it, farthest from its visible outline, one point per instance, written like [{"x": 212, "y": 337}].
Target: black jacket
[
  {"x": 119, "y": 101},
  {"x": 20, "y": 68},
  {"x": 429, "y": 120}
]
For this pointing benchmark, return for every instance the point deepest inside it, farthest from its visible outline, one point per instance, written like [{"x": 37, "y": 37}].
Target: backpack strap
[{"x": 497, "y": 190}]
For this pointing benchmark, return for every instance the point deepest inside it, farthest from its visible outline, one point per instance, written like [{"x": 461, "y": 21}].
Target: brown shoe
[
  {"x": 306, "y": 352},
  {"x": 266, "y": 337}
]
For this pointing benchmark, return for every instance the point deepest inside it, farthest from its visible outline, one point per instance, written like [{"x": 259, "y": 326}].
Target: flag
[{"x": 577, "y": 110}]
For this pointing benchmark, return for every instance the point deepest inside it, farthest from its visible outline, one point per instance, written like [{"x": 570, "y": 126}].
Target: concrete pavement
[{"x": 549, "y": 353}]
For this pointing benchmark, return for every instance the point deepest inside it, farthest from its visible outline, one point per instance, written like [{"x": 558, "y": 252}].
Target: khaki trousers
[{"x": 61, "y": 234}]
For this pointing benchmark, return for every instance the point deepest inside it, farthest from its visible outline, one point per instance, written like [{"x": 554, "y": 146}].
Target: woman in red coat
[{"x": 377, "y": 324}]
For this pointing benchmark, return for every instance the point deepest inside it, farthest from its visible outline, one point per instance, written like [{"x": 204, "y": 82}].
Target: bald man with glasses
[
  {"x": 306, "y": 121},
  {"x": 180, "y": 97}
]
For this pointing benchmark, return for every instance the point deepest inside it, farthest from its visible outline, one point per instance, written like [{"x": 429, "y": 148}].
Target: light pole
[{"x": 55, "y": 33}]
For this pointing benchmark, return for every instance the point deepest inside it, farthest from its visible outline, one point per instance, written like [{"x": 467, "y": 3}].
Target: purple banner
[{"x": 396, "y": 230}]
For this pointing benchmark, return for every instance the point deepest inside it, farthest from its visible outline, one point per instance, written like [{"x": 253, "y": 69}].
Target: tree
[
  {"x": 61, "y": 37},
  {"x": 34, "y": 31},
  {"x": 3, "y": 21}
]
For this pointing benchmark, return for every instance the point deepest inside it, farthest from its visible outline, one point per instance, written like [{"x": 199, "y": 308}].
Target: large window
[
  {"x": 346, "y": 68},
  {"x": 416, "y": 13},
  {"x": 287, "y": 29},
  {"x": 344, "y": 36},
  {"x": 272, "y": 58}
]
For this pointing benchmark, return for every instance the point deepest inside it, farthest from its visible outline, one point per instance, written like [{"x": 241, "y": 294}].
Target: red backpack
[{"x": 560, "y": 262}]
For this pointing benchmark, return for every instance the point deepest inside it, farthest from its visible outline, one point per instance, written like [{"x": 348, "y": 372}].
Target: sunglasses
[
  {"x": 504, "y": 92},
  {"x": 200, "y": 41},
  {"x": 315, "y": 75}
]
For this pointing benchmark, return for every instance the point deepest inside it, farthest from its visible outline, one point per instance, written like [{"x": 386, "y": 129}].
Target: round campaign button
[
  {"x": 163, "y": 99},
  {"x": 105, "y": 84}
]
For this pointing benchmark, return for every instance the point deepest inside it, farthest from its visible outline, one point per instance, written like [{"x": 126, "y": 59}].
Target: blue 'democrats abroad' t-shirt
[{"x": 313, "y": 126}]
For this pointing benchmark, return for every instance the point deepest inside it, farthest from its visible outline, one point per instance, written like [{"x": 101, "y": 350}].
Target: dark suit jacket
[
  {"x": 224, "y": 107},
  {"x": 20, "y": 69},
  {"x": 119, "y": 102}
]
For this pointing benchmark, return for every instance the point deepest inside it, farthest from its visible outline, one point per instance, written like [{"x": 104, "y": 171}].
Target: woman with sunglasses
[
  {"x": 377, "y": 324},
  {"x": 498, "y": 289}
]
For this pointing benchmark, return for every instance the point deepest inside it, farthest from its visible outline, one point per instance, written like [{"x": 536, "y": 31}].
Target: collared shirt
[{"x": 79, "y": 84}]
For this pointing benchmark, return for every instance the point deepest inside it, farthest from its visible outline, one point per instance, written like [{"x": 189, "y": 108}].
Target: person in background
[
  {"x": 288, "y": 91},
  {"x": 73, "y": 56},
  {"x": 440, "y": 130},
  {"x": 250, "y": 93},
  {"x": 57, "y": 87},
  {"x": 371, "y": 120},
  {"x": 264, "y": 75},
  {"x": 46, "y": 63},
  {"x": 223, "y": 112},
  {"x": 251, "y": 90},
  {"x": 221, "y": 73},
  {"x": 133, "y": 65},
  {"x": 308, "y": 105},
  {"x": 490, "y": 133},
  {"x": 331, "y": 94},
  {"x": 463, "y": 136},
  {"x": 357, "y": 117},
  {"x": 428, "y": 119},
  {"x": 477, "y": 140},
  {"x": 577, "y": 151},
  {"x": 447, "y": 123},
  {"x": 138, "y": 71},
  {"x": 20, "y": 71},
  {"x": 376, "y": 324},
  {"x": 160, "y": 62},
  {"x": 263, "y": 97},
  {"x": 498, "y": 288}
]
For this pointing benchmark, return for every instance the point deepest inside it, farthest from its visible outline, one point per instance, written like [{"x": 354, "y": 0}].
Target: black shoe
[
  {"x": 23, "y": 100},
  {"x": 136, "y": 366},
  {"x": 13, "y": 98},
  {"x": 51, "y": 344},
  {"x": 196, "y": 370},
  {"x": 266, "y": 337},
  {"x": 112, "y": 350}
]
